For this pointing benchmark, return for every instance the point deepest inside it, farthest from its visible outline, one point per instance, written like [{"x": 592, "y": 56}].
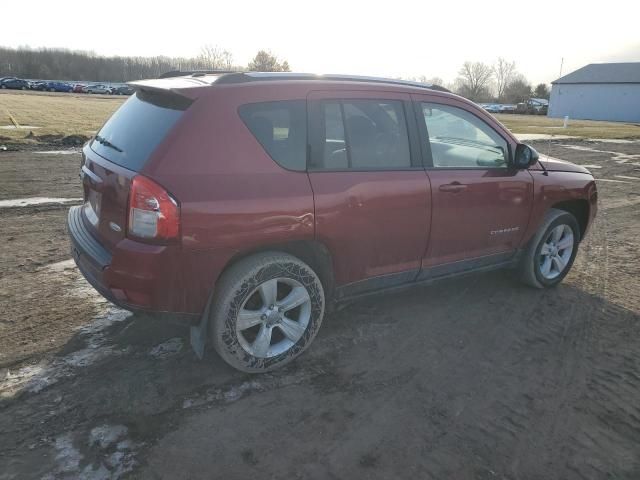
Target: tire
[
  {"x": 272, "y": 337},
  {"x": 52, "y": 89},
  {"x": 545, "y": 263}
]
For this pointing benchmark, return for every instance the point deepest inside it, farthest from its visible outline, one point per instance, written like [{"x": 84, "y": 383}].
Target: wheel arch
[
  {"x": 313, "y": 253},
  {"x": 579, "y": 208}
]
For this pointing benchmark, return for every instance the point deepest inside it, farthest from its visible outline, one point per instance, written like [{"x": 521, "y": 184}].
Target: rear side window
[
  {"x": 363, "y": 135},
  {"x": 137, "y": 128},
  {"x": 281, "y": 129}
]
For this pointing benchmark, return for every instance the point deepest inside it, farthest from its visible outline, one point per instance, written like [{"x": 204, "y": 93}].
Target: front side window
[
  {"x": 460, "y": 139},
  {"x": 364, "y": 135},
  {"x": 281, "y": 129}
]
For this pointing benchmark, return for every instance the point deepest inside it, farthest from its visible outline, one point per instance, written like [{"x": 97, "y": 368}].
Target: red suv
[{"x": 255, "y": 201}]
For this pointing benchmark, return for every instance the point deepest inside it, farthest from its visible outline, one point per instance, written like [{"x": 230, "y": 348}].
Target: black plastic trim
[{"x": 84, "y": 242}]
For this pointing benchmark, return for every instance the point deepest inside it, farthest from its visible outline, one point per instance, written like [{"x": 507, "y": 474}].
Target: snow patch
[
  {"x": 57, "y": 152},
  {"x": 106, "y": 435},
  {"x": 541, "y": 136},
  {"x": 35, "y": 378},
  {"x": 26, "y": 202},
  {"x": 171, "y": 347},
  {"x": 618, "y": 157},
  {"x": 115, "y": 456}
]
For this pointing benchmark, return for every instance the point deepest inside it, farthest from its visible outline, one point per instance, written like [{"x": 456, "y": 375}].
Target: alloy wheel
[
  {"x": 556, "y": 251},
  {"x": 274, "y": 317}
]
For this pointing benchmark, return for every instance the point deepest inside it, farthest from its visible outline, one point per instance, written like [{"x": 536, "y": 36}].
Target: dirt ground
[{"x": 477, "y": 378}]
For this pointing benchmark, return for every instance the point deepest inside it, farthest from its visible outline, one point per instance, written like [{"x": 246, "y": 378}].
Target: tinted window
[
  {"x": 460, "y": 139},
  {"x": 137, "y": 128},
  {"x": 281, "y": 129},
  {"x": 364, "y": 134}
]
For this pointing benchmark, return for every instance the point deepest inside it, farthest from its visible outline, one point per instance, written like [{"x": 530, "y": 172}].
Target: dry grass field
[
  {"x": 80, "y": 114},
  {"x": 53, "y": 114},
  {"x": 576, "y": 128}
]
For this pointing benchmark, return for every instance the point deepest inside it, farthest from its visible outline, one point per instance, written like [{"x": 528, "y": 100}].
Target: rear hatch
[{"x": 118, "y": 152}]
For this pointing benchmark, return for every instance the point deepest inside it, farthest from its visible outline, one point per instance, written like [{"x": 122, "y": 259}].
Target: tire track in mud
[{"x": 609, "y": 409}]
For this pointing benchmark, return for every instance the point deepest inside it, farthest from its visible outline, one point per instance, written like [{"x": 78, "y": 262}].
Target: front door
[
  {"x": 371, "y": 193},
  {"x": 480, "y": 205}
]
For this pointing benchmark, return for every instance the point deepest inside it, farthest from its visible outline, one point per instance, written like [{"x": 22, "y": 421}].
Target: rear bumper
[{"x": 134, "y": 276}]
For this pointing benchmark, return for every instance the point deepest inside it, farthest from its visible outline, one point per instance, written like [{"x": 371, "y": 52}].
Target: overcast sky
[{"x": 392, "y": 38}]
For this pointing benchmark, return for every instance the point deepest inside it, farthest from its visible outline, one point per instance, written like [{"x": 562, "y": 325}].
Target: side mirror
[{"x": 525, "y": 156}]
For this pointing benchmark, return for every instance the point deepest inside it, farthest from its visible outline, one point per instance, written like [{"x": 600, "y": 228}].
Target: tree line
[
  {"x": 480, "y": 82},
  {"x": 484, "y": 83},
  {"x": 62, "y": 64},
  {"x": 500, "y": 82}
]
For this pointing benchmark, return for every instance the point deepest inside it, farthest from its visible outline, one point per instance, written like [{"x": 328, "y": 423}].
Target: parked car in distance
[
  {"x": 123, "y": 90},
  {"x": 507, "y": 108},
  {"x": 533, "y": 106},
  {"x": 98, "y": 88},
  {"x": 491, "y": 107},
  {"x": 59, "y": 87},
  {"x": 38, "y": 85},
  {"x": 79, "y": 88},
  {"x": 252, "y": 203},
  {"x": 14, "y": 84}
]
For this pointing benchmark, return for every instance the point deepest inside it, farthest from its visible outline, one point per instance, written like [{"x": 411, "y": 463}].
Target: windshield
[{"x": 137, "y": 128}]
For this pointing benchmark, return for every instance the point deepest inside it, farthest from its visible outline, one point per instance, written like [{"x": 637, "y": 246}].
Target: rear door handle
[{"x": 453, "y": 187}]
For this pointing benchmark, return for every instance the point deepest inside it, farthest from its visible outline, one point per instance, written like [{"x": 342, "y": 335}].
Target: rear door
[
  {"x": 119, "y": 151},
  {"x": 370, "y": 190},
  {"x": 481, "y": 206}
]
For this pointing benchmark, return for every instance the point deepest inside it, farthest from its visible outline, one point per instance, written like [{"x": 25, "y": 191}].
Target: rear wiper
[{"x": 107, "y": 143}]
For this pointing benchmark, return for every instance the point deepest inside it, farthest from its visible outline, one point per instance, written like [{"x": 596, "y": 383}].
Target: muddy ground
[{"x": 478, "y": 378}]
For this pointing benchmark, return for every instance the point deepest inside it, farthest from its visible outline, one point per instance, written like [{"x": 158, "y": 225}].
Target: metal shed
[{"x": 598, "y": 91}]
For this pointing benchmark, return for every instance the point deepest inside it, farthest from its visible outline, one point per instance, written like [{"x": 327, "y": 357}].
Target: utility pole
[{"x": 561, "y": 63}]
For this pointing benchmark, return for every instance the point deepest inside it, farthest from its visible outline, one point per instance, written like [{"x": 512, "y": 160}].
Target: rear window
[
  {"x": 281, "y": 129},
  {"x": 138, "y": 126}
]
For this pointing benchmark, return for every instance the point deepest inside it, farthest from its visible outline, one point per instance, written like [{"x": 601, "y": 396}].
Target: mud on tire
[{"x": 240, "y": 285}]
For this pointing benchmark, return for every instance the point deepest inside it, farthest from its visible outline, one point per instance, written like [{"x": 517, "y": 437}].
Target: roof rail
[
  {"x": 243, "y": 77},
  {"x": 193, "y": 73}
]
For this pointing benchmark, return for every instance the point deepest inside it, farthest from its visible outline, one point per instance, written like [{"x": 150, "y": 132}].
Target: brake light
[{"x": 153, "y": 214}]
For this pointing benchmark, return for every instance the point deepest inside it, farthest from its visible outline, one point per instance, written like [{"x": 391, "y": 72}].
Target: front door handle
[{"x": 454, "y": 187}]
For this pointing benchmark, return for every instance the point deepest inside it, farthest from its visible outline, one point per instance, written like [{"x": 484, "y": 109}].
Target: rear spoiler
[
  {"x": 193, "y": 73},
  {"x": 160, "y": 95}
]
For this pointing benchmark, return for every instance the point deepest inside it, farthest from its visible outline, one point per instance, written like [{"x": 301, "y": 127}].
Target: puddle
[{"x": 26, "y": 202}]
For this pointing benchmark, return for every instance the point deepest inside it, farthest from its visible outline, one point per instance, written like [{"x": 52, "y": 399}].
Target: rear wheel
[
  {"x": 267, "y": 310},
  {"x": 552, "y": 250}
]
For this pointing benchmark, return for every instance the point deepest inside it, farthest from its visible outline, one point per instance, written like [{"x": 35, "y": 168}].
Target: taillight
[{"x": 153, "y": 214}]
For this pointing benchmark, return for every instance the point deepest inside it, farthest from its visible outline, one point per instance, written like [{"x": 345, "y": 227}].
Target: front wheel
[
  {"x": 267, "y": 310},
  {"x": 551, "y": 251}
]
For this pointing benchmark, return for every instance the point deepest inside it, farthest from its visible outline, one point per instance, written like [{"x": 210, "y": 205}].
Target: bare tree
[
  {"x": 504, "y": 72},
  {"x": 474, "y": 80},
  {"x": 265, "y": 61},
  {"x": 216, "y": 58},
  {"x": 518, "y": 90},
  {"x": 426, "y": 80}
]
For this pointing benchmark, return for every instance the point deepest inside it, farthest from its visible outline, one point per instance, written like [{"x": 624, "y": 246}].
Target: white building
[{"x": 599, "y": 91}]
